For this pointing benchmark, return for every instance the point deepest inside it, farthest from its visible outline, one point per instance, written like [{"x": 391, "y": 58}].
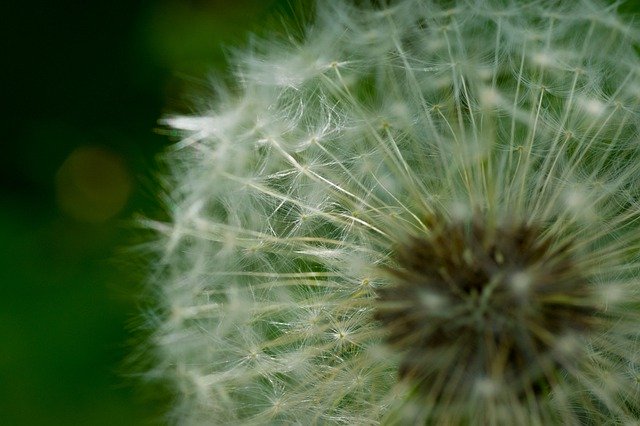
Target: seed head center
[{"x": 471, "y": 302}]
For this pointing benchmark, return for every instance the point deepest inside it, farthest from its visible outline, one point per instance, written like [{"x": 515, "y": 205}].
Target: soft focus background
[{"x": 83, "y": 85}]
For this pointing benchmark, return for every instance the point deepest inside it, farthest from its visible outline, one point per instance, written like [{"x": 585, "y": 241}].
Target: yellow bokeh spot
[{"x": 93, "y": 184}]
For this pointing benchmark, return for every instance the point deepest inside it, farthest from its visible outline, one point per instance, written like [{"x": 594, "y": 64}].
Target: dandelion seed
[{"x": 419, "y": 213}]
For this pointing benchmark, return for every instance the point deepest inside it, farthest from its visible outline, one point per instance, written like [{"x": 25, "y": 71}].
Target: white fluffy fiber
[{"x": 290, "y": 190}]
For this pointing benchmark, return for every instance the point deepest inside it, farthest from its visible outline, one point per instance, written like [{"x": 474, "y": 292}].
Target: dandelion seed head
[{"x": 418, "y": 213}]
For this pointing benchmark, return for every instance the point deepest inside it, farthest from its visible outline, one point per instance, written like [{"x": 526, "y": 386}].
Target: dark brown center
[{"x": 474, "y": 304}]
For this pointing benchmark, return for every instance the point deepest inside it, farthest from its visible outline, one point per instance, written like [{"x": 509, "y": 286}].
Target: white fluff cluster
[{"x": 292, "y": 191}]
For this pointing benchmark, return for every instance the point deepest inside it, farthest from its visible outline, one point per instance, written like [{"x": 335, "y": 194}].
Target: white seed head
[
  {"x": 521, "y": 282},
  {"x": 419, "y": 213},
  {"x": 486, "y": 387}
]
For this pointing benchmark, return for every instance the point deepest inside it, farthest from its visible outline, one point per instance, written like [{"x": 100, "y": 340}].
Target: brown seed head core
[{"x": 475, "y": 308}]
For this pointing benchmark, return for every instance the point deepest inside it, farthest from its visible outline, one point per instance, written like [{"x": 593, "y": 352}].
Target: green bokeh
[{"x": 77, "y": 75}]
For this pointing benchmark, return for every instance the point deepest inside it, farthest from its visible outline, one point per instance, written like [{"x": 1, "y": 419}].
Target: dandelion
[{"x": 418, "y": 213}]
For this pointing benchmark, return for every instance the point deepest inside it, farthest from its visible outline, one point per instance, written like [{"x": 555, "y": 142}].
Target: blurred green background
[{"x": 83, "y": 86}]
